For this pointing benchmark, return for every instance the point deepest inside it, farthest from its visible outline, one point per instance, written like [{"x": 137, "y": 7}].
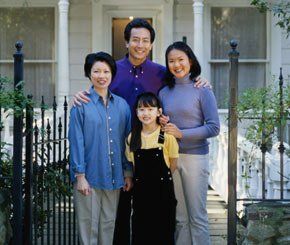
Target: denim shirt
[{"x": 97, "y": 141}]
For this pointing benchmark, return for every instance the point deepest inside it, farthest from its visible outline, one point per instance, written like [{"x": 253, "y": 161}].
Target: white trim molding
[
  {"x": 63, "y": 48},
  {"x": 160, "y": 11},
  {"x": 198, "y": 30}
]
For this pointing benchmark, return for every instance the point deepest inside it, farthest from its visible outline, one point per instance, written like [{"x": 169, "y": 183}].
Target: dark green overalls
[{"x": 154, "y": 203}]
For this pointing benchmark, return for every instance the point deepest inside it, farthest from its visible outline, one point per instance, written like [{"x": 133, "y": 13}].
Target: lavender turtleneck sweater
[{"x": 194, "y": 112}]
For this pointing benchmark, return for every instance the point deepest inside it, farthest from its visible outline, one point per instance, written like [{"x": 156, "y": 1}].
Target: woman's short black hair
[
  {"x": 195, "y": 68},
  {"x": 138, "y": 23},
  {"x": 92, "y": 58}
]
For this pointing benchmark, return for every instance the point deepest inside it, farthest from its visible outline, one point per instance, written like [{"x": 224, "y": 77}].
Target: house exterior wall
[
  {"x": 183, "y": 22},
  {"x": 286, "y": 57},
  {"x": 80, "y": 42}
]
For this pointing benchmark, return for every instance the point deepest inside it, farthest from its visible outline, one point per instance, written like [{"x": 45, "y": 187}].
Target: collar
[
  {"x": 136, "y": 69},
  {"x": 184, "y": 80},
  {"x": 96, "y": 97}
]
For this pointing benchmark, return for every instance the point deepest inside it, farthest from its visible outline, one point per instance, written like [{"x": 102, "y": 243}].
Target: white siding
[
  {"x": 183, "y": 23},
  {"x": 286, "y": 57},
  {"x": 80, "y": 42}
]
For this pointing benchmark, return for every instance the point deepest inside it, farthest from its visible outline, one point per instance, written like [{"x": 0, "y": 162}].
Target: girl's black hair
[
  {"x": 92, "y": 58},
  {"x": 195, "y": 68},
  {"x": 147, "y": 99}
]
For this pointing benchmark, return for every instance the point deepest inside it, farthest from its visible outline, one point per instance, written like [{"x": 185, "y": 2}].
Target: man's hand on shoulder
[{"x": 81, "y": 97}]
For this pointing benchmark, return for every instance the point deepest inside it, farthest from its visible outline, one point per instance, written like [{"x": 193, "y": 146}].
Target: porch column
[
  {"x": 63, "y": 61},
  {"x": 198, "y": 30}
]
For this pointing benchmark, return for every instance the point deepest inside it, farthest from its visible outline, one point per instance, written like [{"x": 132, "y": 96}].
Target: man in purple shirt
[{"x": 135, "y": 74}]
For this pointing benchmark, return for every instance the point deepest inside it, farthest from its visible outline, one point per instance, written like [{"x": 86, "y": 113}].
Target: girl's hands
[
  {"x": 202, "y": 82},
  {"x": 83, "y": 186},
  {"x": 80, "y": 97},
  {"x": 128, "y": 184},
  {"x": 172, "y": 129}
]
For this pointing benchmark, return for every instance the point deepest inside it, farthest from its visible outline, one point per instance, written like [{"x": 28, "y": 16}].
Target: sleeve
[
  {"x": 127, "y": 165},
  {"x": 76, "y": 140},
  {"x": 211, "y": 127},
  {"x": 171, "y": 146},
  {"x": 129, "y": 154}
]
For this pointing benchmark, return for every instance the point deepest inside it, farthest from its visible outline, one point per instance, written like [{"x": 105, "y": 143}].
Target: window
[
  {"x": 35, "y": 27},
  {"x": 248, "y": 27}
]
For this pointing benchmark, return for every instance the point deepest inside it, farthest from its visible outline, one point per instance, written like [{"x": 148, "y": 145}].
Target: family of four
[{"x": 142, "y": 128}]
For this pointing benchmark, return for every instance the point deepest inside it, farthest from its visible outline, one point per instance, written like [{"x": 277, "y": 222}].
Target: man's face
[{"x": 139, "y": 45}]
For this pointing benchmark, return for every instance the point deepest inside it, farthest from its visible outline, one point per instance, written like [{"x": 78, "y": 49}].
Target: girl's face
[
  {"x": 101, "y": 75},
  {"x": 178, "y": 63},
  {"x": 148, "y": 115}
]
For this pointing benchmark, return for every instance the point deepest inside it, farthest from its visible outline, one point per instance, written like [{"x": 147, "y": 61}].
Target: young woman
[
  {"x": 98, "y": 164},
  {"x": 153, "y": 153},
  {"x": 193, "y": 118}
]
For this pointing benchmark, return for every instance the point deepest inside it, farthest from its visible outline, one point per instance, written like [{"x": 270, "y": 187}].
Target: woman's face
[
  {"x": 101, "y": 75},
  {"x": 178, "y": 63}
]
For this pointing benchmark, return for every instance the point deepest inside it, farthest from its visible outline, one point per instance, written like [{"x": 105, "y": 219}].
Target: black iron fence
[
  {"x": 280, "y": 118},
  {"x": 42, "y": 201}
]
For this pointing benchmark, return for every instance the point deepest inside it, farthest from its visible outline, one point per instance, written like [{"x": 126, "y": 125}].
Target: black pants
[{"x": 122, "y": 225}]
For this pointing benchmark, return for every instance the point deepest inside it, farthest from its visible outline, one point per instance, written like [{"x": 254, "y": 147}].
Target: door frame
[{"x": 160, "y": 11}]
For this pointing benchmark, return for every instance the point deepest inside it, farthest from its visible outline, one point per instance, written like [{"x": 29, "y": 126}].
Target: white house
[{"x": 57, "y": 34}]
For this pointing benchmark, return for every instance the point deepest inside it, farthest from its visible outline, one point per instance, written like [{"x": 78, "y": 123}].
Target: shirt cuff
[{"x": 79, "y": 174}]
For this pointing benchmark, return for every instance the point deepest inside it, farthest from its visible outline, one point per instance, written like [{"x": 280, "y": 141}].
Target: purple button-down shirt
[{"x": 130, "y": 80}]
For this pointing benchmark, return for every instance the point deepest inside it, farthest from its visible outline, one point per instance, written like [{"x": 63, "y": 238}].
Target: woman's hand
[
  {"x": 128, "y": 184},
  {"x": 83, "y": 186},
  {"x": 163, "y": 120},
  {"x": 202, "y": 82},
  {"x": 80, "y": 97},
  {"x": 172, "y": 129}
]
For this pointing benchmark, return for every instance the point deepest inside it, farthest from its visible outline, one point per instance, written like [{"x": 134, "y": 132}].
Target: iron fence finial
[{"x": 19, "y": 45}]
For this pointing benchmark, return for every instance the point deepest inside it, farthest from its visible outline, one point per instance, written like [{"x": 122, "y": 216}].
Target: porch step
[{"x": 217, "y": 218}]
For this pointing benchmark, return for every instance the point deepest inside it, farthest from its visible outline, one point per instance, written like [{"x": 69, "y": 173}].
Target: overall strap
[{"x": 161, "y": 137}]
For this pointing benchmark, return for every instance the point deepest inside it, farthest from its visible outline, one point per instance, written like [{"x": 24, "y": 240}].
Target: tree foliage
[{"x": 279, "y": 8}]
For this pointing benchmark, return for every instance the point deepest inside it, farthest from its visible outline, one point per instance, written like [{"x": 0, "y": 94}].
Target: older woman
[{"x": 98, "y": 166}]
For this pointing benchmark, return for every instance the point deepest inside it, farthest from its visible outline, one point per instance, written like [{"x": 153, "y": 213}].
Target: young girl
[{"x": 154, "y": 155}]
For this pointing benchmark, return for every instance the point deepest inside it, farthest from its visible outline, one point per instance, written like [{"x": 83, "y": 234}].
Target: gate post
[
  {"x": 17, "y": 153},
  {"x": 28, "y": 174},
  {"x": 232, "y": 143}
]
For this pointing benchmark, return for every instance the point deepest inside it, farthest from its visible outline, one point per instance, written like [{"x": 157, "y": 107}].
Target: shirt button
[
  {"x": 110, "y": 129},
  {"x": 130, "y": 71},
  {"x": 136, "y": 89},
  {"x": 136, "y": 76},
  {"x": 169, "y": 172},
  {"x": 109, "y": 118},
  {"x": 111, "y": 141},
  {"x": 113, "y": 164},
  {"x": 112, "y": 153},
  {"x": 113, "y": 181},
  {"x": 161, "y": 178}
]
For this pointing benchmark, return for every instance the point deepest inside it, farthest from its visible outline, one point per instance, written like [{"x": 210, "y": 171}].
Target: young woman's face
[
  {"x": 178, "y": 63},
  {"x": 148, "y": 115},
  {"x": 101, "y": 75}
]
